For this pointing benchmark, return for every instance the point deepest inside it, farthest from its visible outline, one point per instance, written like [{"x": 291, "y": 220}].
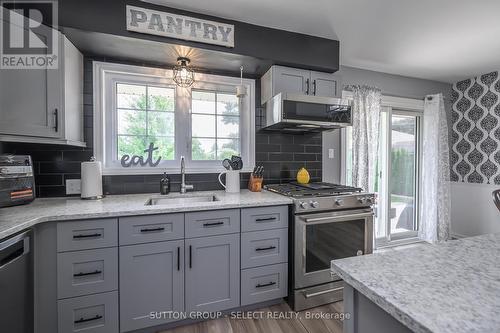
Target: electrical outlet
[
  {"x": 73, "y": 186},
  {"x": 331, "y": 153}
]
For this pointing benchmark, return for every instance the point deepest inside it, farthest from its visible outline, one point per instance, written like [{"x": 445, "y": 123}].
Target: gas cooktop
[{"x": 296, "y": 190}]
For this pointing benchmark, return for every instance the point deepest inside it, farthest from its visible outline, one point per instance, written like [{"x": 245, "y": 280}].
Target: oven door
[{"x": 323, "y": 237}]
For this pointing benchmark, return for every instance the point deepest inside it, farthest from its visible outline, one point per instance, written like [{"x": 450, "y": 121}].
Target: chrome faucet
[{"x": 184, "y": 187}]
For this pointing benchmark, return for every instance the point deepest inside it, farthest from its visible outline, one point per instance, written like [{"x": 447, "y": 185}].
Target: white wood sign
[{"x": 154, "y": 22}]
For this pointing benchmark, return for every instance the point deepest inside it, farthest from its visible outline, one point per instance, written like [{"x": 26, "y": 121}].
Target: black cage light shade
[{"x": 183, "y": 74}]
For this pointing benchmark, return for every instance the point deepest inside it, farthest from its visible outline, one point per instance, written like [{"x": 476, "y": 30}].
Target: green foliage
[{"x": 402, "y": 172}]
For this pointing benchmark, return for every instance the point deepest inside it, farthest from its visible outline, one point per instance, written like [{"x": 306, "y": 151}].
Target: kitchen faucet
[{"x": 184, "y": 187}]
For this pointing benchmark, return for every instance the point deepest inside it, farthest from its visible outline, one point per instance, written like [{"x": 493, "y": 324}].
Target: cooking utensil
[
  {"x": 237, "y": 162},
  {"x": 226, "y": 163}
]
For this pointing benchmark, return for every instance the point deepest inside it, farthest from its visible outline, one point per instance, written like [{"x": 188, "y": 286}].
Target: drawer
[
  {"x": 259, "y": 248},
  {"x": 87, "y": 272},
  {"x": 263, "y": 283},
  {"x": 150, "y": 228},
  {"x": 89, "y": 314},
  {"x": 210, "y": 223},
  {"x": 264, "y": 218},
  {"x": 86, "y": 234}
]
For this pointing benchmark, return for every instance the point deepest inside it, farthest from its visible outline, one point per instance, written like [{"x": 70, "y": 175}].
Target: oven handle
[
  {"x": 319, "y": 293},
  {"x": 328, "y": 219}
]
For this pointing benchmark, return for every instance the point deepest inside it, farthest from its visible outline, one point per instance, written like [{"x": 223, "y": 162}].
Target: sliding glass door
[{"x": 397, "y": 176}]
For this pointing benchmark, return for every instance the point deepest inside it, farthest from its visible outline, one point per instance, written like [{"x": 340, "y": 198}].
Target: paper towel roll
[{"x": 91, "y": 180}]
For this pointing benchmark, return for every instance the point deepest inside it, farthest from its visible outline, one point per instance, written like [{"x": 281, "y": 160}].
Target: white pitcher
[{"x": 232, "y": 184}]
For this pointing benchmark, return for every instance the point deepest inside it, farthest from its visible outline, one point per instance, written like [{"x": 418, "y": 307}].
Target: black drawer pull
[
  {"x": 152, "y": 229},
  {"x": 190, "y": 257},
  {"x": 265, "y": 285},
  {"x": 84, "y": 320},
  {"x": 272, "y": 247},
  {"x": 178, "y": 258},
  {"x": 212, "y": 224},
  {"x": 87, "y": 236},
  {"x": 88, "y": 273},
  {"x": 265, "y": 219}
]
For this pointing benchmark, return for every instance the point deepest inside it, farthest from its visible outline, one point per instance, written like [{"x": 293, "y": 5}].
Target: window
[
  {"x": 398, "y": 174},
  {"x": 138, "y": 106}
]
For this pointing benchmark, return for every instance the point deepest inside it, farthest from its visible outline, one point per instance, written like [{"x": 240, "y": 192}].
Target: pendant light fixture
[
  {"x": 183, "y": 74},
  {"x": 241, "y": 90}
]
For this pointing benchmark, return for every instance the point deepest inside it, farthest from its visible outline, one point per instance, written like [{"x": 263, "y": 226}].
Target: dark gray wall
[{"x": 391, "y": 85}]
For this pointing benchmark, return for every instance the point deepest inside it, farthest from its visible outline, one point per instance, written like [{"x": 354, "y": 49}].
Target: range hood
[{"x": 303, "y": 113}]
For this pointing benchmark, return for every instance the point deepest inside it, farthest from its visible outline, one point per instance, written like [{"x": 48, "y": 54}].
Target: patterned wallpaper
[{"x": 475, "y": 135}]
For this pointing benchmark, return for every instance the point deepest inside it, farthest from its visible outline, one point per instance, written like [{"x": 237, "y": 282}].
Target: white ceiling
[{"x": 442, "y": 40}]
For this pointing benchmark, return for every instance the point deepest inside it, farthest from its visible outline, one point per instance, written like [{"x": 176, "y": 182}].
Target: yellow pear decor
[{"x": 303, "y": 176}]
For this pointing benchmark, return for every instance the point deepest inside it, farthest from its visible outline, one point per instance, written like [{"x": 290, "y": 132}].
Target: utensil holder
[{"x": 255, "y": 183}]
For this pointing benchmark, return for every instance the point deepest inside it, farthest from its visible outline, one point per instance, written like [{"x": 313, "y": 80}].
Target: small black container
[{"x": 165, "y": 184}]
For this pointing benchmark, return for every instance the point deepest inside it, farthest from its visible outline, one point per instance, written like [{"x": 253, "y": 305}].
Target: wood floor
[{"x": 302, "y": 324}]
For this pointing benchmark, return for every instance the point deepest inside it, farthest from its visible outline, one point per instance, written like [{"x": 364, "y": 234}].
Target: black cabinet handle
[
  {"x": 272, "y": 247},
  {"x": 190, "y": 257},
  {"x": 88, "y": 273},
  {"x": 84, "y": 320},
  {"x": 152, "y": 229},
  {"x": 212, "y": 224},
  {"x": 265, "y": 285},
  {"x": 87, "y": 236},
  {"x": 314, "y": 87},
  {"x": 265, "y": 219},
  {"x": 307, "y": 86},
  {"x": 56, "y": 121},
  {"x": 178, "y": 258}
]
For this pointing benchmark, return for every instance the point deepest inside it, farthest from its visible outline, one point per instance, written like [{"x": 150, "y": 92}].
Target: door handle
[
  {"x": 152, "y": 229},
  {"x": 84, "y": 320},
  {"x": 178, "y": 258},
  {"x": 306, "y": 295},
  {"x": 190, "y": 257},
  {"x": 87, "y": 273},
  {"x": 272, "y": 247},
  {"x": 265, "y": 285},
  {"x": 307, "y": 86},
  {"x": 314, "y": 87},
  {"x": 56, "y": 120}
]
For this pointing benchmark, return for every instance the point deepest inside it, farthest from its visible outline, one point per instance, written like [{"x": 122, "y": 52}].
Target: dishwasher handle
[{"x": 14, "y": 248}]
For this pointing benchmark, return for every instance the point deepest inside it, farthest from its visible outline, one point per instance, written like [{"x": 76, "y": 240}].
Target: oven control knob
[
  {"x": 303, "y": 205},
  {"x": 339, "y": 202},
  {"x": 314, "y": 204},
  {"x": 362, "y": 200},
  {"x": 369, "y": 200}
]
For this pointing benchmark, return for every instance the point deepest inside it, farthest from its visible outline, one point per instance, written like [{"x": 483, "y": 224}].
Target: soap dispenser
[{"x": 165, "y": 184}]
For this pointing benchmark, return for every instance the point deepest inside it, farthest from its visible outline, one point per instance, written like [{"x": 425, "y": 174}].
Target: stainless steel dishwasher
[{"x": 16, "y": 284}]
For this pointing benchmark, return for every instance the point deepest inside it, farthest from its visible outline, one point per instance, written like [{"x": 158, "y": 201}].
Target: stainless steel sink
[{"x": 179, "y": 200}]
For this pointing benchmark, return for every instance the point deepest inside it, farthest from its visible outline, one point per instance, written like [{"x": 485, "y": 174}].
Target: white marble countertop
[
  {"x": 14, "y": 219},
  {"x": 451, "y": 287}
]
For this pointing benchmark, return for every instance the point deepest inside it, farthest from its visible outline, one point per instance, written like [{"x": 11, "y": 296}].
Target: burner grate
[{"x": 296, "y": 190}]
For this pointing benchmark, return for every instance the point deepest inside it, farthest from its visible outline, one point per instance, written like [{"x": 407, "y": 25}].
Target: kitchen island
[{"x": 448, "y": 287}]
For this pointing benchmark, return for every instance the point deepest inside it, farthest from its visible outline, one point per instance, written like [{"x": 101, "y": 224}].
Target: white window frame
[
  {"x": 398, "y": 106},
  {"x": 106, "y": 75}
]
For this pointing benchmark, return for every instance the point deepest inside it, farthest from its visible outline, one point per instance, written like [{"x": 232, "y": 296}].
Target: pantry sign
[{"x": 154, "y": 22}]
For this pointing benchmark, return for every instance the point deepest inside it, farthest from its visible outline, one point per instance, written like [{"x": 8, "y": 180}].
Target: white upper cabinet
[
  {"x": 44, "y": 105},
  {"x": 280, "y": 79}
]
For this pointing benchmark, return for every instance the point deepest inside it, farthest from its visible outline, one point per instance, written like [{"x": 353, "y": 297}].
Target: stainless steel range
[{"x": 329, "y": 222}]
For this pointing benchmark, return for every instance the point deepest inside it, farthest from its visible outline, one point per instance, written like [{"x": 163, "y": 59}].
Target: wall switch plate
[
  {"x": 331, "y": 153},
  {"x": 73, "y": 186}
]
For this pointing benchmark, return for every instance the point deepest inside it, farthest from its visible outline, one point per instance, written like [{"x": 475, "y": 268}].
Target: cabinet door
[
  {"x": 213, "y": 273},
  {"x": 325, "y": 84},
  {"x": 151, "y": 280},
  {"x": 29, "y": 99},
  {"x": 291, "y": 80}
]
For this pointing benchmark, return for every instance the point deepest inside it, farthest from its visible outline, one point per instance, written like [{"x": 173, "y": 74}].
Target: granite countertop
[
  {"x": 14, "y": 219},
  {"x": 449, "y": 287}
]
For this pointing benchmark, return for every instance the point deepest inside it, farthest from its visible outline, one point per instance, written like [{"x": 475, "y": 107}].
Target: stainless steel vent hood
[{"x": 302, "y": 113}]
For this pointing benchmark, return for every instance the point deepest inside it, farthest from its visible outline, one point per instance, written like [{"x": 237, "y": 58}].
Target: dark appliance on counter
[
  {"x": 329, "y": 222},
  {"x": 16, "y": 283},
  {"x": 17, "y": 183},
  {"x": 303, "y": 113}
]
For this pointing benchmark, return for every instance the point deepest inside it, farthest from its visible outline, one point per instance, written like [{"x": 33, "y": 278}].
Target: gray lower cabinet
[
  {"x": 151, "y": 280},
  {"x": 213, "y": 273},
  {"x": 264, "y": 283},
  {"x": 89, "y": 314}
]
